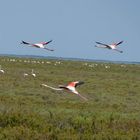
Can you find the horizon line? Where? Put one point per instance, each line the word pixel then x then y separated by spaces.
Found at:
pixel 69 58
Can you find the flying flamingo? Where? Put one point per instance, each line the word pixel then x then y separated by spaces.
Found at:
pixel 38 45
pixel 111 46
pixel 70 87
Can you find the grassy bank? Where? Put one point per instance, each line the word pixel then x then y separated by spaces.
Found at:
pixel 30 111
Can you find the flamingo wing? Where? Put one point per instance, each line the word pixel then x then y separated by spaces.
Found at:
pixel 23 42
pixel 71 84
pixel 102 44
pixel 45 43
pixel 119 43
pixel 75 84
pixel 78 83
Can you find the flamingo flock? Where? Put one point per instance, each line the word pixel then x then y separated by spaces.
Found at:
pixel 41 45
pixel 71 87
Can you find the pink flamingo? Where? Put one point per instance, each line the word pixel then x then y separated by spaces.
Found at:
pixel 38 45
pixel 70 87
pixel 111 46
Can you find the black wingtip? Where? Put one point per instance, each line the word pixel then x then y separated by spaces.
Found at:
pixel 50 40
pixel 51 50
pixel 120 42
pixel 81 82
pixel 23 42
pixel 98 42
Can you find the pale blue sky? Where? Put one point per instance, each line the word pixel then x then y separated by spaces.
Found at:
pixel 74 26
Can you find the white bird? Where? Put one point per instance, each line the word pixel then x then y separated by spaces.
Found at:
pixel 111 46
pixel 70 87
pixel 107 67
pixel 25 74
pixel 1 70
pixel 38 45
pixel 33 74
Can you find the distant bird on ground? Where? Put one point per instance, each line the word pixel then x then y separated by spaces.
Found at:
pixel 1 70
pixel 33 74
pixel 29 74
pixel 25 74
pixel 70 87
pixel 111 46
pixel 38 45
